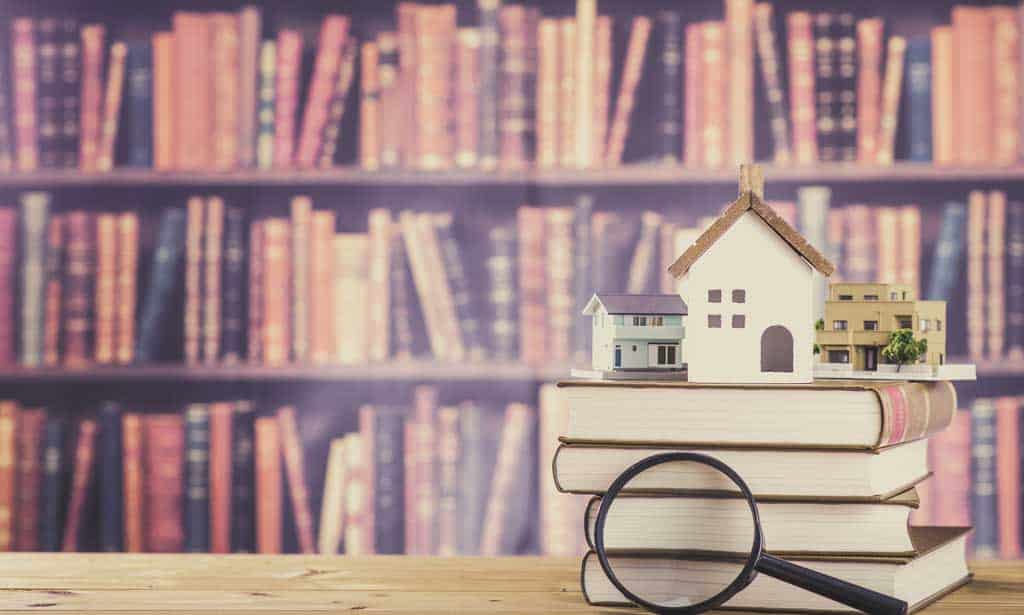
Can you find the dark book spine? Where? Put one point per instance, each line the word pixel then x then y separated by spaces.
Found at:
pixel 47 92
pixel 265 105
pixel 670 87
pixel 243 514
pixel 490 42
pixel 769 59
pixel 110 473
pixel 197 478
pixel 401 299
pixel 6 104
pixel 825 85
pixel 388 483
pixel 502 293
pixel 233 281
pixel 1015 277
pixel 51 496
pixel 984 513
pixel 163 278
pixel 479 426
pixel 30 437
pixel 336 108
pixel 35 213
pixel 919 99
pixel 140 104
pixel 79 282
pixel 70 95
pixel 582 281
pixel 517 85
pixel 949 250
pixel 846 80
pixel 164 481
pixel 8 284
pixel 465 307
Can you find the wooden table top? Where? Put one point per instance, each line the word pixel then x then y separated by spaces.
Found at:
pixel 215 584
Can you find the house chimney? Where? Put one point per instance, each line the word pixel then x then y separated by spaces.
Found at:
pixel 752 180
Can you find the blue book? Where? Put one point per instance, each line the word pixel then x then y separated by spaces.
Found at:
pixel 919 99
pixel 233 284
pixel 984 511
pixel 949 249
pixel 479 428
pixel 197 478
pixel 163 277
pixel 1015 279
pixel 51 488
pixel 110 474
pixel 388 429
pixel 243 480
pixel 139 67
pixel 465 305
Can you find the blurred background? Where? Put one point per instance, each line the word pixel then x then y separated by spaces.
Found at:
pixel 289 277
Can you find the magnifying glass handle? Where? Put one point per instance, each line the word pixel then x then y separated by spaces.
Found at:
pixel 854 596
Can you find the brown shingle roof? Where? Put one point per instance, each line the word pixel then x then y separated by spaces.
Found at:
pixel 748 201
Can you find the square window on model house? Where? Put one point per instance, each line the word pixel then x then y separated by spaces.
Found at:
pixel 739 321
pixel 714 321
pixel 715 296
pixel 871 325
pixel 739 295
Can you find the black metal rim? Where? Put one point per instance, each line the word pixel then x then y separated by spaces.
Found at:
pixel 745 576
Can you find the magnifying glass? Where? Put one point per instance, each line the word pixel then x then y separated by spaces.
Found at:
pixel 724 550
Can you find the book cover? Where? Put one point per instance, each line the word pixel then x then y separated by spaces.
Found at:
pixel 977 217
pixel 79 285
pixel 950 459
pixel 948 253
pixel 447 480
pixel 350 289
pixel 584 86
pixel 400 291
pixel 226 91
pixel 35 214
pixel 1014 277
pixel 29 438
pixel 105 297
pixel 358 533
pixel 984 495
pixel 250 28
pixel 254 315
pixel 506 527
pixel 197 478
pixel 435 35
pixel 132 479
pixel 488 12
pixel 381 430
pixel 332 508
pixel 266 106
pixel 919 99
pixel 338 104
pixel 126 282
pixel 232 340
pixel 693 84
pixel 286 95
pixel 268 496
pixel 502 293
pixel 479 430
pixel 421 473
pixel 7 129
pixel 81 479
pixel 301 291
pixel 163 469
pixel 110 476
pixel 714 103
pixel 869 88
pixel 113 93
pixel 291 447
pixel 322 276
pixel 800 39
pixel 24 74
pixel 558 293
pixel 164 75
pixel 221 478
pixel 243 479
pixel 582 278
pixel 826 86
pixel 892 86
pixel 55 237
pixel 1008 466
pixel 193 310
pixel 739 25
pixel 333 32
pixel 163 278
pixel 1005 103
pixel 276 312
pixel 378 283
pixel 8 473
pixel 602 84
pixel 47 96
pixel 193 90
pixel 465 304
pixel 995 274
pixel 846 86
pixel 548 81
pixel 973 98
pixel 52 492
pixel 943 96
pixel 212 260
pixel 567 92
pixel 532 274
pixel 369 107
pixel 769 60
pixel 632 71
pixel 516 87
pixel 388 83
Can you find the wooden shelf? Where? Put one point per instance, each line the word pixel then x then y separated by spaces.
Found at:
pixel 406 371
pixel 639 174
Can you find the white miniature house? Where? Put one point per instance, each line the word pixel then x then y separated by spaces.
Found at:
pixel 636 332
pixel 748 284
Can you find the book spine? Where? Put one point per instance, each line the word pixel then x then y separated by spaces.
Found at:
pixel 415 248
pixel 467 82
pixel 163 470
pixel 972 33
pixel 369 108
pixel 869 89
pixel 29 476
pixel 581 275
pixel 567 92
pixel 35 214
pixel 532 286
pixel 291 447
pixel 909 247
pixel 243 479
pixel 639 280
pixel 197 478
pixel 195 208
pixel 411 487
pixel 140 104
pixel 254 317
pixel 995 269
pixel 360 535
pixel 448 486
pixel 1015 280
pixel 632 71
pixel 9 272
pixel 276 322
pixel 110 477
pixel 332 510
pixel 846 78
pixel 266 106
pixel 91 97
pixel 1007 472
pixel 583 109
pixel 465 306
pixel 388 83
pixel 407 75
pixel 301 231
pixel 950 457
pixel 714 106
pixel 378 284
pixel 388 505
pixel 919 99
pixel 162 279
pixel 949 248
pixel 814 202
pixel 984 497
pixel 693 143
pixel 286 95
pixel 860 245
pixel 801 87
pixel 515 101
pixel 336 110
pixel 826 85
pixel 548 75
pixel 976 298
pixel 47 109
pixel 221 477
pixel 55 236
pixel 250 26
pixel 739 24
pixel 911 411
pixel 490 50
pixel 113 93
pixel 7 93
pixel 132 479
pixel 473 477
pixel 268 485
pixel 558 286
pixel 164 75
pixel 106 288
pixel 85 452
pixel 768 54
pixel 436 33
pixel 322 310
pixel 8 473
pixel 602 83
pixel 502 295
pixel 1005 103
pixel 51 492
pixel 127 274
pixel 400 292
pixel 233 285
pixel 193 103
pixel 943 96
pixel 212 270
pixel 23 69
pixel 226 91
pixel 506 518
pixel 350 289
pixel 333 33
pixel 891 88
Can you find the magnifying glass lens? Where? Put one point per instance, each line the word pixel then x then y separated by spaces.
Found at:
pixel 677 549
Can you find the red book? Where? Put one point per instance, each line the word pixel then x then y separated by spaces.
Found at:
pixel 193 97
pixel 8 471
pixel 333 33
pixel 220 476
pixel 164 142
pixel 602 86
pixel 435 36
pixel 631 73
pixel 869 88
pixel 113 94
pixel 127 275
pixel 1006 84
pixel 54 287
pixel 79 278
pixel 1008 489
pixel 321 310
pixel 268 485
pixel 132 484
pixel 693 79
pixel 226 91
pixel 972 44
pixel 91 96
pixel 301 251
pixel 369 107
pixel 286 95
pixel 23 55
pixel 943 97
pixel 85 452
pixel 277 299
pixel 106 286
pixel 256 260
pixel 801 87
pixel 30 430
pixel 950 459
pixel 291 443
pixel 164 437
pixel 8 279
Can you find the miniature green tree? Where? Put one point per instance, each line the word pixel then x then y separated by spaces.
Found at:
pixel 903 348
pixel 818 326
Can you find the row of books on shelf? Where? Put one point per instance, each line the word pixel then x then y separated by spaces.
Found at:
pixel 421 477
pixel 512 90
pixel 223 287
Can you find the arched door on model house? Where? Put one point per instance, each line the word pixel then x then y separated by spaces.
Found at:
pixel 776 349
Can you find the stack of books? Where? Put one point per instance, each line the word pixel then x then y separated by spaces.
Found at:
pixel 833 466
